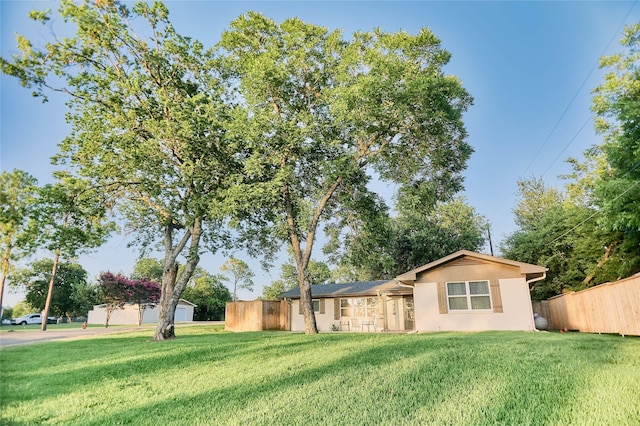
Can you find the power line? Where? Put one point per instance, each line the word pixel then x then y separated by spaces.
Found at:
pixel 594 213
pixel 613 37
pixel 567 145
pixel 615 34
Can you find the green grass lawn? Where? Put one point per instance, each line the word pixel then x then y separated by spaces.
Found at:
pixel 35 327
pixel 207 376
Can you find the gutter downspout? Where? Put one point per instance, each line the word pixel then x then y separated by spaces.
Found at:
pixel 544 275
pixel 404 285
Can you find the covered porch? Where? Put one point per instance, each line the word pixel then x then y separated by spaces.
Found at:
pixel 373 306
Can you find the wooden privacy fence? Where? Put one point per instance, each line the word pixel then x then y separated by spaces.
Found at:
pixel 606 308
pixel 257 315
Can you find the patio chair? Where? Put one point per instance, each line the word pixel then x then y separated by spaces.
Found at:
pixel 354 324
pixel 344 322
pixel 370 322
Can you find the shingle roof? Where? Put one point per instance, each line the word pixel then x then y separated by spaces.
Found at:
pixel 365 288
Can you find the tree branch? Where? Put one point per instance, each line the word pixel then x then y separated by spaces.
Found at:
pixel 316 218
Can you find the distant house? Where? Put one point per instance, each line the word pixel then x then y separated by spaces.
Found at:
pixel 464 291
pixel 129 314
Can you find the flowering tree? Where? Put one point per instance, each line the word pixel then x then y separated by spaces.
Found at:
pixel 115 291
pixel 145 294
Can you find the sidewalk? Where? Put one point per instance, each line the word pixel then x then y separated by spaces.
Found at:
pixel 24 337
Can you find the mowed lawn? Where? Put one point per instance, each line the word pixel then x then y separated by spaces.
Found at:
pixel 210 377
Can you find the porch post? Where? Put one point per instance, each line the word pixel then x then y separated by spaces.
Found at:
pixel 384 313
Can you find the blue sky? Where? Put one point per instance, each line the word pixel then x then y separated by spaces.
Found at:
pixel 530 66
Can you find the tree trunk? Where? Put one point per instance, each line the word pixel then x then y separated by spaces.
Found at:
pixel 140 314
pixel 605 258
pixel 302 258
pixel 306 303
pixel 47 305
pixel 107 316
pixel 165 328
pixel 5 272
pixel 306 299
pixel 172 285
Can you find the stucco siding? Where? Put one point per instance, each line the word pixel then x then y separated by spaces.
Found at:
pixel 323 321
pixel 517 312
pixel 129 315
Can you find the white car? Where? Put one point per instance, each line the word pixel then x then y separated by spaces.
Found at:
pixel 27 319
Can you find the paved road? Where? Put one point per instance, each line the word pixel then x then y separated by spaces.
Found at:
pixel 24 337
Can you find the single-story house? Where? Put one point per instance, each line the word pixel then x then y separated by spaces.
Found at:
pixel 465 291
pixel 129 314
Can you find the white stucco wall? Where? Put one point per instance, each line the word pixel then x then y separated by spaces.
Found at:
pixel 517 311
pixel 129 315
pixel 323 321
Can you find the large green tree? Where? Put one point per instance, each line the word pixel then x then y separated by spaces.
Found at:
pixel 238 273
pixel 70 283
pixel 209 294
pixel 148 267
pixel 560 232
pixel 616 103
pixel 18 196
pixel 420 236
pixel 322 113
pixel 590 234
pixel 147 126
pixel 319 273
pixel 420 233
pixel 71 219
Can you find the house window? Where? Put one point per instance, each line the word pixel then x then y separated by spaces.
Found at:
pixel 359 307
pixel 318 306
pixel 468 295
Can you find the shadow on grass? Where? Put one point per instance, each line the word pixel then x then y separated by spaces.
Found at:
pixel 110 359
pixel 393 400
pixel 437 378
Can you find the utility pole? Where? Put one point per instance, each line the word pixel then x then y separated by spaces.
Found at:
pixel 490 243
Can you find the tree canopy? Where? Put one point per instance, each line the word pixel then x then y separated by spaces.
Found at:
pixel 71 219
pixel 18 196
pixel 589 233
pixel 278 129
pixel 210 295
pixel 146 114
pixel 238 273
pixel 72 295
pixel 389 246
pixel 321 113
pixel 616 104
pixel 148 267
